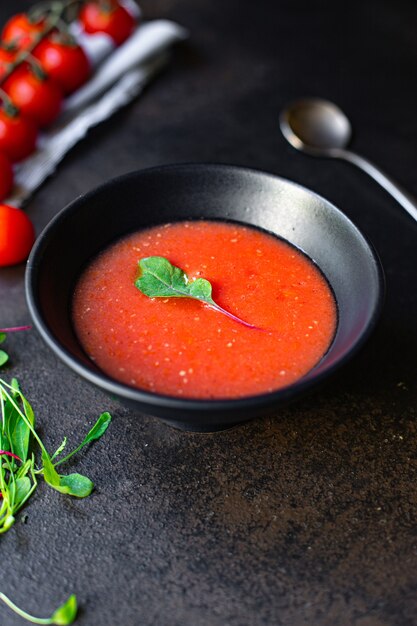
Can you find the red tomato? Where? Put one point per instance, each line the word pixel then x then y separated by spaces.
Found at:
pixel 66 63
pixel 17 235
pixel 37 98
pixel 18 136
pixel 20 29
pixel 7 56
pixel 116 22
pixel 6 176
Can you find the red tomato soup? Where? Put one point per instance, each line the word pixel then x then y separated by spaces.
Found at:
pixel 182 347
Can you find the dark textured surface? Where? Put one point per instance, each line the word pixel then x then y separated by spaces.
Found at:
pixel 304 518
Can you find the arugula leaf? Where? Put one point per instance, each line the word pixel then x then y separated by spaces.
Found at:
pixel 160 279
pixel 2 337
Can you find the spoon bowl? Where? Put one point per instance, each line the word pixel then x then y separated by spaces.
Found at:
pixel 315 126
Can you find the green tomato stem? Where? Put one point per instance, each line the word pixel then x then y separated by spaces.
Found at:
pixel 36 67
pixel 8 105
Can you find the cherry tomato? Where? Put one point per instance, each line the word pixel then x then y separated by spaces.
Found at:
pixel 7 56
pixel 17 235
pixel 37 98
pixel 18 136
pixel 6 176
pixel 115 21
pixel 21 30
pixel 65 62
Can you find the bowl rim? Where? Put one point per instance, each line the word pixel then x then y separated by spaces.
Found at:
pixel 110 385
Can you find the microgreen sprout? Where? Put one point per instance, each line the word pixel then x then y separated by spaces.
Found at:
pixel 63 615
pixel 19 470
pixel 4 357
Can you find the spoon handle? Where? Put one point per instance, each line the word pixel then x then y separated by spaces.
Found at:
pixel 403 197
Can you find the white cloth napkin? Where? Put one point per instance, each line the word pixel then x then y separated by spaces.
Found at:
pixel 120 77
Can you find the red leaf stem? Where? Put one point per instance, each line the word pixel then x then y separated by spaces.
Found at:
pixel 14 329
pixel 11 454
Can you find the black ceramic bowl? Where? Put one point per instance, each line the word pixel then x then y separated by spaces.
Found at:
pixel 171 193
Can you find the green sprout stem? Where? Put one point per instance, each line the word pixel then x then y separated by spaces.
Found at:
pixel 80 447
pixel 63 615
pixel 21 613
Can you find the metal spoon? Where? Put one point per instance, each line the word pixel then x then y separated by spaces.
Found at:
pixel 320 128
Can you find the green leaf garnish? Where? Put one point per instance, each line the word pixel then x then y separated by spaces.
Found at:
pixel 98 429
pixel 76 485
pixel 18 470
pixel 96 432
pixel 73 484
pixel 60 449
pixel 64 614
pixel 49 472
pixel 161 279
pixel 17 429
pixel 4 357
pixel 23 487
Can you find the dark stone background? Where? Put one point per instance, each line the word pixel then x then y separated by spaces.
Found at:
pixel 304 518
